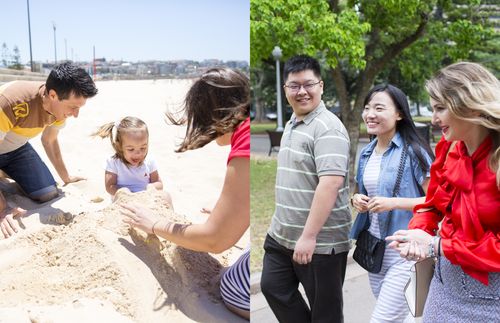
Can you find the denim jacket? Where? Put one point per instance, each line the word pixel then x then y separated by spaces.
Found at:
pixel 412 175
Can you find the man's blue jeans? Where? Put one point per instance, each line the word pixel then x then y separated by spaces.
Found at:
pixel 25 167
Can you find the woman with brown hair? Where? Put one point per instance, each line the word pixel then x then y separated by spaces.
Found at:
pixel 216 108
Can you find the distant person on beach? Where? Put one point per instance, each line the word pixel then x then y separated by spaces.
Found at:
pixel 308 239
pixel 130 169
pixel 216 109
pixel 396 151
pixel 26 110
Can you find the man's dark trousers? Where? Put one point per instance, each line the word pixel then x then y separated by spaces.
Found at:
pixel 322 279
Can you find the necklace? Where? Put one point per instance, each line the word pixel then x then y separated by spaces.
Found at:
pixel 380 151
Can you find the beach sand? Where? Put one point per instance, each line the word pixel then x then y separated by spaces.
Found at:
pixel 76 261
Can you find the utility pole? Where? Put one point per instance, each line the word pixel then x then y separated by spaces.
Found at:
pixel 66 48
pixel 29 33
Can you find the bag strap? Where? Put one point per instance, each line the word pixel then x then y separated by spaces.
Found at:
pixel 395 191
pixel 401 169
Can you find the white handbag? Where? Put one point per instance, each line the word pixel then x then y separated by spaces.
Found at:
pixel 417 288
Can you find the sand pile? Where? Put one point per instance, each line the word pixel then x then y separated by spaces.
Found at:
pixel 94 261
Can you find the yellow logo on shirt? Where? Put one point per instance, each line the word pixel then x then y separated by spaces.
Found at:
pixel 21 110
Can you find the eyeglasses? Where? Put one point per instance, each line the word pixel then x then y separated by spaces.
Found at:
pixel 296 87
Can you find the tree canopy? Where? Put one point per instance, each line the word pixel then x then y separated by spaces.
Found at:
pixel 361 42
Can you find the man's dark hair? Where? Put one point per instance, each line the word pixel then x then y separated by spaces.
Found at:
pixel 67 79
pixel 301 63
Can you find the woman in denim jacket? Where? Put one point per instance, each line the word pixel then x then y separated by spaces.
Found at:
pixel 388 120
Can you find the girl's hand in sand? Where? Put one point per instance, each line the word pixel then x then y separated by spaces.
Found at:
pixel 138 217
pixel 8 224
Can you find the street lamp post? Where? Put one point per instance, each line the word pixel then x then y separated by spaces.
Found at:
pixel 277 55
pixel 55 47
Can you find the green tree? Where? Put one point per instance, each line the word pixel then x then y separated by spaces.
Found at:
pixel 360 40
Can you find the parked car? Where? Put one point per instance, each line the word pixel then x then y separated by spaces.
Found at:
pixel 424 110
pixel 271 116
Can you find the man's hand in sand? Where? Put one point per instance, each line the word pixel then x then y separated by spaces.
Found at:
pixel 138 217
pixel 8 224
pixel 73 179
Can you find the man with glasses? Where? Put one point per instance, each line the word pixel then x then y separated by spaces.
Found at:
pixel 307 241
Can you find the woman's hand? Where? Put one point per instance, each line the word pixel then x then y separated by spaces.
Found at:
pixel 379 204
pixel 139 217
pixel 360 202
pixel 411 244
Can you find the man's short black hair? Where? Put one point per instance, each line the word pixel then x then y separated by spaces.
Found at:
pixel 301 63
pixel 67 79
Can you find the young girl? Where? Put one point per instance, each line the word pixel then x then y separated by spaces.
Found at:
pixel 129 169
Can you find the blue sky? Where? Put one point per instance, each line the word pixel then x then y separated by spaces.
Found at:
pixel 129 29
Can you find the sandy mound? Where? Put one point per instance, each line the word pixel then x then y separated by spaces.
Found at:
pixel 95 256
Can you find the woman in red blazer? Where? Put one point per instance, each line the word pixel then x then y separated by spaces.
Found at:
pixel 464 196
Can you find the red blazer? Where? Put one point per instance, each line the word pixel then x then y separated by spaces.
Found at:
pixel 463 194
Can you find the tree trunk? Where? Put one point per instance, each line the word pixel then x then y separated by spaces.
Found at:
pixel 258 100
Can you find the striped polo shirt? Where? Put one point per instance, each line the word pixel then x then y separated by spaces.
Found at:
pixel 22 116
pixel 316 146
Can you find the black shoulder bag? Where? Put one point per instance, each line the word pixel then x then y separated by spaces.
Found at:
pixel 369 252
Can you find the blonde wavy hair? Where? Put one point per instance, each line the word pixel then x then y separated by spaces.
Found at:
pixel 471 93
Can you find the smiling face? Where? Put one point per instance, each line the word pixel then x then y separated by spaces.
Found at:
pixel 381 115
pixel 452 127
pixel 63 109
pixel 303 101
pixel 134 146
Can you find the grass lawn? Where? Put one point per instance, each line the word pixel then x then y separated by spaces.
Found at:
pixel 261 127
pixel 262 180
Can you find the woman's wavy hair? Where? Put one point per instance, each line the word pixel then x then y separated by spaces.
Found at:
pixel 214 105
pixel 471 93
pixel 405 126
pixel 115 130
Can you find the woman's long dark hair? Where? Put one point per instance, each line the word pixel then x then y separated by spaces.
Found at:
pixel 405 126
pixel 215 105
